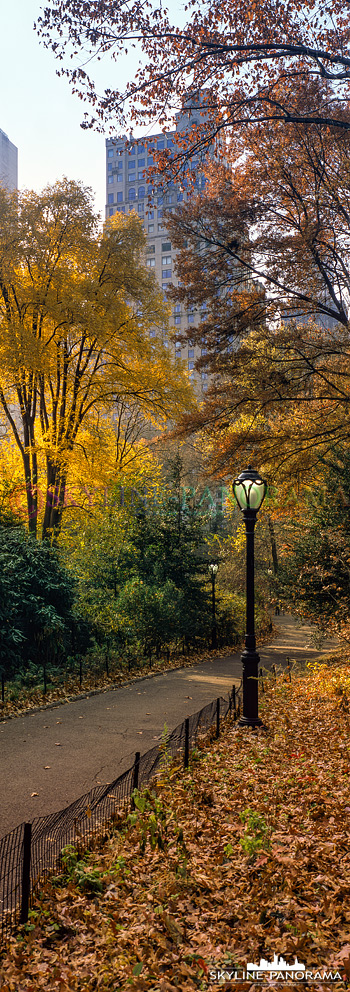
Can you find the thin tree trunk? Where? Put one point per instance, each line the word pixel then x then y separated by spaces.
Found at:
pixel 31 494
pixel 273 544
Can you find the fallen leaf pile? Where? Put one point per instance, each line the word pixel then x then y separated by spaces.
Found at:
pixel 244 855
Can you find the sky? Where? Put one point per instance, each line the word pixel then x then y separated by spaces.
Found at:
pixel 38 111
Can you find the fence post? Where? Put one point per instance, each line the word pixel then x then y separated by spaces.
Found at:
pixel 187 742
pixel 234 701
pixel 27 842
pixel 261 680
pixel 135 776
pixel 218 718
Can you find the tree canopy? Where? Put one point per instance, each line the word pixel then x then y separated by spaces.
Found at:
pixel 77 307
pixel 243 56
pixel 262 255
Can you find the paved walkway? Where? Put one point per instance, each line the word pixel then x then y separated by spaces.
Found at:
pixel 51 757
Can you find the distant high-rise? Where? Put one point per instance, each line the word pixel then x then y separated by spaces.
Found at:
pixel 126 190
pixel 8 163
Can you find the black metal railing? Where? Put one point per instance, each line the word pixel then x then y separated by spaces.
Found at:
pixel 32 851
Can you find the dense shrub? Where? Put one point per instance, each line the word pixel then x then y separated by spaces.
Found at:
pixel 36 604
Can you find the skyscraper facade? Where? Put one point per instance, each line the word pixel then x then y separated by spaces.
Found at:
pixel 127 161
pixel 8 163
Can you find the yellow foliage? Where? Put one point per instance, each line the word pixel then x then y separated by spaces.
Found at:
pixel 77 308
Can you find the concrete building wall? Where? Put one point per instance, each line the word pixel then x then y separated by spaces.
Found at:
pixel 127 190
pixel 8 163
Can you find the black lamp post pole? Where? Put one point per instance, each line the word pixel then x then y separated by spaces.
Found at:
pixel 250 658
pixel 214 640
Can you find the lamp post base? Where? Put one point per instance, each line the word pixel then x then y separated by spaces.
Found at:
pixel 246 721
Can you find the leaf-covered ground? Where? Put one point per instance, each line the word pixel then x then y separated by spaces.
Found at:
pixel 244 855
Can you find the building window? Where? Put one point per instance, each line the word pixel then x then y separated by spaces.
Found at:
pixel 111 211
pixel 132 163
pixel 119 197
pixel 110 197
pixel 110 153
pixel 120 177
pixel 150 160
pixel 160 200
pixel 110 179
pixel 151 262
pixel 141 207
pixel 152 333
pixel 142 192
pixel 141 161
pixel 166 246
pixel 190 317
pixel 160 144
pixel 151 214
pixel 132 177
pixel 170 143
pixel 191 352
pixel 191 366
pixel 166 260
pixel 180 197
pixel 110 166
pixel 177 319
pixel 177 308
pixel 166 273
pixel 160 213
pixel 165 286
pixel 160 227
pixel 121 210
pixel 120 165
pixel 132 194
pixel 151 228
pixel 151 249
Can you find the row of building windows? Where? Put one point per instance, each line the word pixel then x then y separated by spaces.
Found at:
pixel 142 149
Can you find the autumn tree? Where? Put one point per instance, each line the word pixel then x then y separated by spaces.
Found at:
pixel 244 56
pixel 262 256
pixel 315 563
pixel 76 308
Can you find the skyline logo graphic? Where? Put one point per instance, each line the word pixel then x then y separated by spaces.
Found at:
pixel 277 970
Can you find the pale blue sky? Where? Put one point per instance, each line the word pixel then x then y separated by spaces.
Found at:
pixel 38 111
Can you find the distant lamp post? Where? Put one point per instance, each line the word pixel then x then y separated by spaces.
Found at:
pixel 213 573
pixel 250 490
pixel 269 579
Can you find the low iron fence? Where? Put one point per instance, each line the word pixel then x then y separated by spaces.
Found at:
pixel 32 851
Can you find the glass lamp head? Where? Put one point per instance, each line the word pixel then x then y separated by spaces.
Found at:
pixel 249 490
pixel 213 569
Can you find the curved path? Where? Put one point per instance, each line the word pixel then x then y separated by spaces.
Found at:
pixel 51 757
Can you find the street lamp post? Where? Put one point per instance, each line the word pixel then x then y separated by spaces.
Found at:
pixel 213 572
pixel 250 490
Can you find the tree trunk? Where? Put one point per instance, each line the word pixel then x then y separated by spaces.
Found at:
pixel 273 544
pixel 30 473
pixel 55 496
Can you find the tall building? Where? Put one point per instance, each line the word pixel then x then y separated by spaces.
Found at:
pixel 127 161
pixel 8 163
